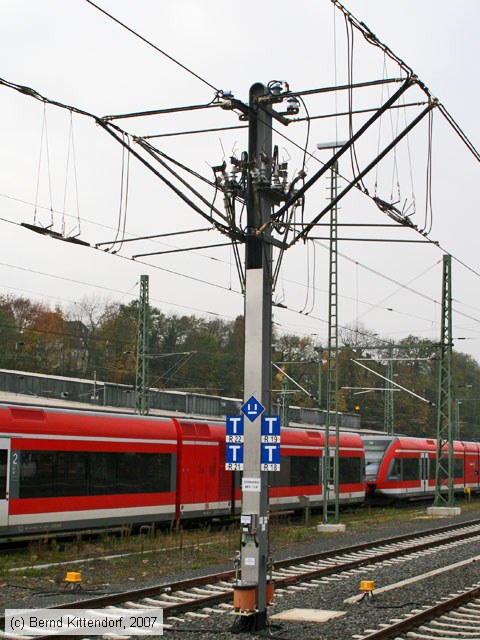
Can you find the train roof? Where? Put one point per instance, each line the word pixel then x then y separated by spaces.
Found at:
pixel 312 437
pixel 424 444
pixel 28 419
pixel 40 421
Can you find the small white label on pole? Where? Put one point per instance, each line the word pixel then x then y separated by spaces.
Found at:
pixel 250 562
pixel 251 484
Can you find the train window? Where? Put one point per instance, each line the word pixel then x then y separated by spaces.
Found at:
pixel 411 469
pixel 71 473
pixel 371 470
pixel 281 478
pixel 458 468
pixel 395 469
pixel 37 474
pixel 350 470
pixel 404 469
pixel 296 471
pixel 304 470
pixel 141 473
pixel 80 473
pixel 3 474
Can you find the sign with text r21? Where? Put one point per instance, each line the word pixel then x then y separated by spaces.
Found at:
pixel 233 456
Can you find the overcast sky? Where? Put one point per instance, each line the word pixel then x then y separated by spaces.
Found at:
pixel 70 52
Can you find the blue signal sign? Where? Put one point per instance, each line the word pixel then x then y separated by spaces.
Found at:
pixel 270 456
pixel 252 409
pixel 234 429
pixel 233 457
pixel 270 429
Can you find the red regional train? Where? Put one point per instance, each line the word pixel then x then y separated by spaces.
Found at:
pixel 66 470
pixel 401 467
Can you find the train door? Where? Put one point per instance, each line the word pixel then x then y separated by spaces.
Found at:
pixel 424 471
pixel 4 457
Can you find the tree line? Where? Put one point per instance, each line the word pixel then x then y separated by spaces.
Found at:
pixel 97 338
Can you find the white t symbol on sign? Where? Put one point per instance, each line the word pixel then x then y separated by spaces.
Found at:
pixel 270 448
pixel 236 423
pixel 270 420
pixel 234 448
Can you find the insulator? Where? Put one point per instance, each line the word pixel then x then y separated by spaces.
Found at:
pixel 293 105
pixel 263 178
pixel 276 182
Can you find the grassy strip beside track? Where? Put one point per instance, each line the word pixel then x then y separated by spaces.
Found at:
pixel 141 559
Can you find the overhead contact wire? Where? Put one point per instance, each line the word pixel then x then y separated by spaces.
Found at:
pixel 154 46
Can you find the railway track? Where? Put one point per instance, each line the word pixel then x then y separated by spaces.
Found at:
pixel 456 616
pixel 204 596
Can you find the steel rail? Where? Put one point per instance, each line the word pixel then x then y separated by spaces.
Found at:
pixel 417 619
pixel 170 588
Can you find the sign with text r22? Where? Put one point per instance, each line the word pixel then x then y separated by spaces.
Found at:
pixel 270 457
pixel 234 429
pixel 233 456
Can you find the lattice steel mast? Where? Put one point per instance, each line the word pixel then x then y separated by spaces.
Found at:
pixel 444 466
pixel 331 507
pixel 389 393
pixel 142 368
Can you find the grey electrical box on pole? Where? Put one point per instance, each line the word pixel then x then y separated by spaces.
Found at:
pixel 257 384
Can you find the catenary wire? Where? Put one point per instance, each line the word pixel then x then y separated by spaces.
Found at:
pixel 292 120
pixel 291 281
pixel 110 289
pixel 286 280
pixel 32 93
pixel 103 226
pixel 116 132
pixel 44 136
pixel 122 208
pixel 71 151
pixel 373 40
pixel 402 286
pixel 111 131
pixel 462 263
pixel 154 46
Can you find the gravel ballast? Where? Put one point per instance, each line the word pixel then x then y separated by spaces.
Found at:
pixel 329 594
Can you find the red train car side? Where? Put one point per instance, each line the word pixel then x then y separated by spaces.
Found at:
pixel 403 467
pixel 204 488
pixel 300 477
pixel 67 470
